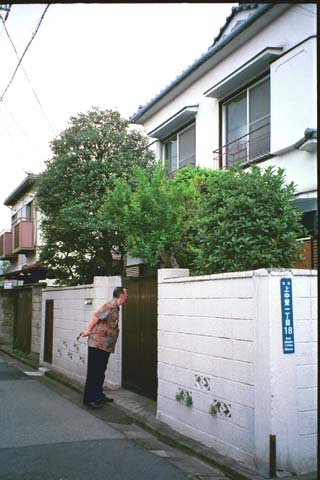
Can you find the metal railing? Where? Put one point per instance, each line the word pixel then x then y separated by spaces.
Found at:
pixel 253 146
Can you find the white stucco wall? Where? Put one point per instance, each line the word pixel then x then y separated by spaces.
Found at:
pixel 293 95
pixel 73 308
pixel 305 179
pixel 220 338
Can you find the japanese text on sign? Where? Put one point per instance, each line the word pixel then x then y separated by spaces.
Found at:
pixel 287 315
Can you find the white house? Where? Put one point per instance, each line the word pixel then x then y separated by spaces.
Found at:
pixel 250 98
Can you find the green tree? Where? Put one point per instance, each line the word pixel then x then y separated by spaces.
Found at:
pixel 154 214
pixel 246 221
pixel 95 149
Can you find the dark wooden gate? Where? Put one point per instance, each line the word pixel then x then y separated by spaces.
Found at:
pixel 23 320
pixel 139 339
pixel 48 332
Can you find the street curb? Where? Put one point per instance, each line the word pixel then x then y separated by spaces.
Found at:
pixel 172 438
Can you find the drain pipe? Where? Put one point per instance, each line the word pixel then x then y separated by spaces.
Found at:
pixel 272 456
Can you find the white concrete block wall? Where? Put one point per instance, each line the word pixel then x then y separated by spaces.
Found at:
pixel 220 339
pixel 206 346
pixel 73 308
pixel 306 366
pixel 293 376
pixel 36 320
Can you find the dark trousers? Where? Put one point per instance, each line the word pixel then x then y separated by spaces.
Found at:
pixel 96 367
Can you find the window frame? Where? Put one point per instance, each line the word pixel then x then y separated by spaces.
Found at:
pixel 223 117
pixel 176 135
pixel 24 213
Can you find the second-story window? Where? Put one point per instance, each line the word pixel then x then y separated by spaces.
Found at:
pixel 179 150
pixel 246 124
pixel 24 213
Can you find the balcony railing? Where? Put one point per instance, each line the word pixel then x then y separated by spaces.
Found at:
pixel 246 149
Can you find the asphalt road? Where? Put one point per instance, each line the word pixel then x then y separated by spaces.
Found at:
pixel 46 433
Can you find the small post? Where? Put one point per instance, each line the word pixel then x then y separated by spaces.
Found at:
pixel 272 456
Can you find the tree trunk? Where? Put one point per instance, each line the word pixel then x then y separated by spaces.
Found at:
pixel 169 260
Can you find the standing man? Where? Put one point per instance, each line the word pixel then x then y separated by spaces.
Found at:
pixel 103 331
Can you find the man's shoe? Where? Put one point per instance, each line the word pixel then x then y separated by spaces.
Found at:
pixel 94 405
pixel 105 399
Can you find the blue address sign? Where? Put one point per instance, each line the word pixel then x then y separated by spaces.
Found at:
pixel 287 315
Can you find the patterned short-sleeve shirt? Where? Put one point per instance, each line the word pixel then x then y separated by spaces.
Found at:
pixel 105 333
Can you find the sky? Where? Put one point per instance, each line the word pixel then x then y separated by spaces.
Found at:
pixel 107 55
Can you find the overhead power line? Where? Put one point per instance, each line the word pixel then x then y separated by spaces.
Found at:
pixel 25 51
pixel 25 73
pixel 5 7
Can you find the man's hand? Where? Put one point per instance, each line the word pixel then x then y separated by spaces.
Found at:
pixel 86 333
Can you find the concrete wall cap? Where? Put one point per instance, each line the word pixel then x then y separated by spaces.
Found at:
pixel 61 287
pixel 262 272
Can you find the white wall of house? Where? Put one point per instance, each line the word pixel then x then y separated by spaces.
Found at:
pixel 220 339
pixel 304 178
pixel 293 94
pixel 73 308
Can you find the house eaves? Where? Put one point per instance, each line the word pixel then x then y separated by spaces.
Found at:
pixel 263 16
pixel 21 189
